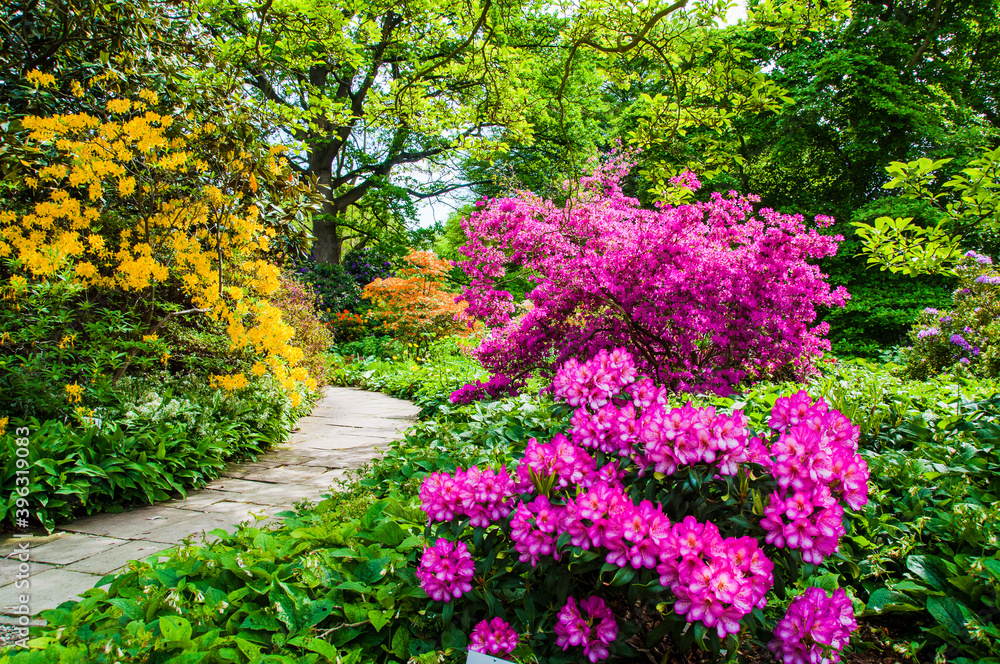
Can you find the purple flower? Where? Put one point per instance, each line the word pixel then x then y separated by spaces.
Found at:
pixel 929 332
pixel 960 341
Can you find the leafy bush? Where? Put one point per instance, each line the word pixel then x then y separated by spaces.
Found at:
pixel 443 367
pixel 367 264
pixel 326 587
pixel 413 305
pixel 297 303
pixel 964 336
pixel 883 305
pixel 640 501
pixel 375 347
pixel 65 346
pixel 153 438
pixel 928 544
pixel 337 289
pixel 706 296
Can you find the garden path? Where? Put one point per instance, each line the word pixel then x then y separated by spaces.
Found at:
pixel 344 432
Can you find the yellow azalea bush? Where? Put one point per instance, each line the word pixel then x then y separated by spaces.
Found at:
pixel 164 213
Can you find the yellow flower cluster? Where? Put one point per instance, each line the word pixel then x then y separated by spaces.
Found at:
pixel 41 79
pixel 74 393
pixel 177 233
pixel 230 383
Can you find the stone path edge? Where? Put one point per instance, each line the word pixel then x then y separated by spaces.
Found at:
pixel 345 430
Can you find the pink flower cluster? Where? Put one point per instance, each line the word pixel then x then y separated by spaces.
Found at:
pixel 562 461
pixel 493 637
pixel 716 580
pixel 592 626
pixel 595 381
pixel 485 496
pixel 496 387
pixel 816 464
pixel 446 570
pixel 815 628
pixel 688 435
pixel 672 438
pixel 706 295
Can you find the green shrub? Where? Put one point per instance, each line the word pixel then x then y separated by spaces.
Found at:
pixel 328 586
pixel 966 335
pixel 928 544
pixel 153 438
pixel 297 303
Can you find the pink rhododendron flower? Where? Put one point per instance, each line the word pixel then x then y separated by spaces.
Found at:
pixel 485 496
pixel 815 628
pixel 591 626
pixel 493 637
pixel 446 570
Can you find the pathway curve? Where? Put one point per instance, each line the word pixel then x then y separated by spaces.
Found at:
pixel 344 431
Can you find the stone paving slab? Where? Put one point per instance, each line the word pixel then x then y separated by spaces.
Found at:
pixel 344 432
pixel 118 557
pixel 284 474
pixel 48 589
pixel 71 547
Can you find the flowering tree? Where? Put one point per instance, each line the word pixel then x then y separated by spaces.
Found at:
pixel 413 304
pixel 706 295
pixel 680 520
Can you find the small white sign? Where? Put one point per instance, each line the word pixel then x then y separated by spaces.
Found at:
pixel 480 658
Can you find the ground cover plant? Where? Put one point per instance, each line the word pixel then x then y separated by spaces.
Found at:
pixel 215 602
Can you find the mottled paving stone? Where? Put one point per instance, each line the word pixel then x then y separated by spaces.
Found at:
pixel 329 478
pixel 48 590
pixel 71 547
pixel 115 559
pixel 32 539
pixel 198 500
pixel 284 474
pixel 241 511
pixel 10 569
pixel 140 523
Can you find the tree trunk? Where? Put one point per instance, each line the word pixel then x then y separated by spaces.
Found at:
pixel 328 245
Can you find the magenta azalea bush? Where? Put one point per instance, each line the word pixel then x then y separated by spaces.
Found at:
pixel 704 295
pixel 672 523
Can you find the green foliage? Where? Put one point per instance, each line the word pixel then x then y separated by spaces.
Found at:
pixel 336 287
pixel 394 369
pixel 927 544
pixel 333 585
pixel 153 438
pixel 297 303
pixel 58 334
pixel 968 204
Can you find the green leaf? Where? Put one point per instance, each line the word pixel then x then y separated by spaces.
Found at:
pixel 371 571
pixel 379 619
pixel 927 569
pixel 884 600
pixel 950 613
pixel 175 628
